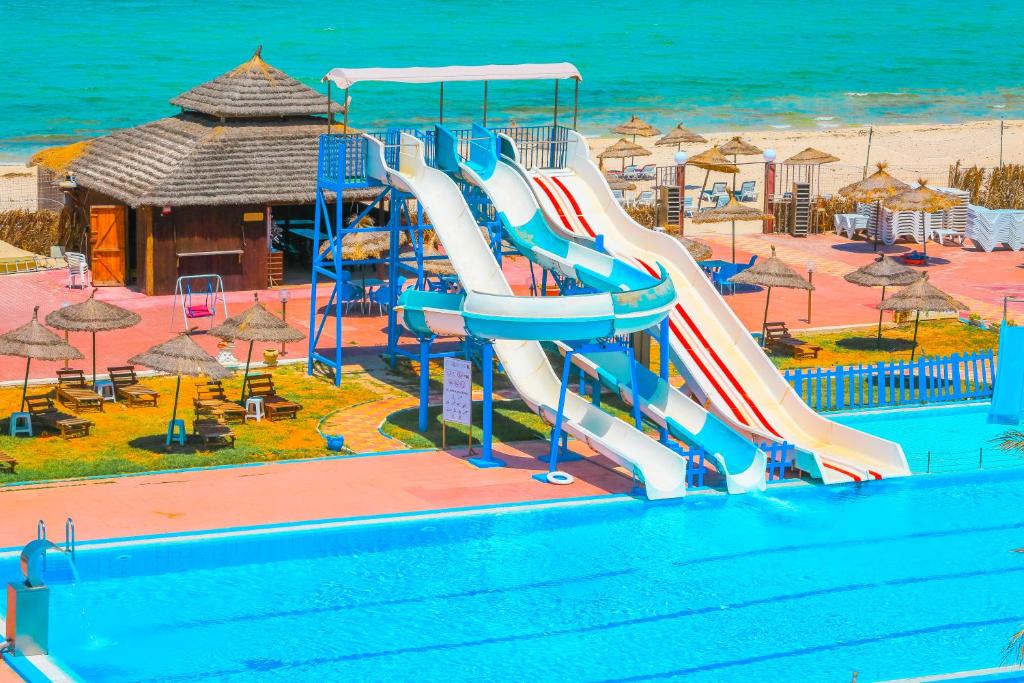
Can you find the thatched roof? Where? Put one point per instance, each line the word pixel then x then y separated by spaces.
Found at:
pixel 257 324
pixel 636 126
pixel 32 340
pixel 698 250
pixel 617 183
pixel 713 160
pixel 622 149
pixel 875 187
pixel 92 316
pixel 811 157
pixel 921 295
pixel 181 356
pixel 436 266
pixel 733 211
pixel 921 198
pixel 680 135
pixel 885 271
pixel 737 146
pixel 771 272
pixel 254 89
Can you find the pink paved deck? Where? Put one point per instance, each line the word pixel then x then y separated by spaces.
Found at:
pixel 292 491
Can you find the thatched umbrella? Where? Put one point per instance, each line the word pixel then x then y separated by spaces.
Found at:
pixel 636 126
pixel 180 356
pixel 697 249
pixel 256 324
pixel 811 160
pixel 883 272
pixel 923 199
pixel 32 340
pixel 710 160
pixel 92 316
pixel 679 136
pixel 771 272
pixel 919 296
pixel 623 149
pixel 731 212
pixel 737 146
pixel 874 189
pixel 620 184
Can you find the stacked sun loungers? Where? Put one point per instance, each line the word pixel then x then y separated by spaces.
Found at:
pixel 913 225
pixel 850 224
pixel 989 229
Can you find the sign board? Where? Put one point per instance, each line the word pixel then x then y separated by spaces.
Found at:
pixel 252 217
pixel 457 399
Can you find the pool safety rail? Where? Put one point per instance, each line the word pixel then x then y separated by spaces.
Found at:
pixel 966 460
pixel 936 379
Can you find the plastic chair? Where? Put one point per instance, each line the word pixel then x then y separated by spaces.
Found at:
pixel 21 423
pixel 382 295
pixel 254 408
pixel 77 269
pixel 175 432
pixel 348 292
pixel 105 388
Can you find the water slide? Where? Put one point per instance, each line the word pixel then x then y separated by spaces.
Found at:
pixel 490 310
pixel 507 186
pixel 721 362
pixel 1008 392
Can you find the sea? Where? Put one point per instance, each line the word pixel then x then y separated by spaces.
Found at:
pixel 78 70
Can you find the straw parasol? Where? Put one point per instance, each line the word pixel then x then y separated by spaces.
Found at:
pixel 636 126
pixel 918 296
pixel 771 272
pixel 710 160
pixel 737 146
pixel 731 212
pixel 679 136
pixel 92 316
pixel 882 272
pixel 256 324
pixel 32 340
pixel 873 190
pixel 180 356
pixel 923 199
pixel 436 266
pixel 697 249
pixel 620 184
pixel 622 149
pixel 811 157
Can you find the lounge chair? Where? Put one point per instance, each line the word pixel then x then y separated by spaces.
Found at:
pixel 210 401
pixel 7 462
pixel 688 210
pixel 630 172
pixel 127 387
pixel 747 192
pixel 620 196
pixel 78 269
pixel 213 433
pixel 717 190
pixel 274 406
pixel 721 201
pixel 777 336
pixel 645 198
pixel 45 415
pixel 73 390
pixel 648 172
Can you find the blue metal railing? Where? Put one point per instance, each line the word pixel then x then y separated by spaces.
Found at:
pixel 539 146
pixel 341 160
pixel 781 457
pixel 937 379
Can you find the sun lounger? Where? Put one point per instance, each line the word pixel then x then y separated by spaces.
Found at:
pixel 717 190
pixel 7 462
pixel 73 390
pixel 213 433
pixel 648 172
pixel 127 387
pixel 777 336
pixel 46 416
pixel 210 401
pixel 275 406
pixel 747 192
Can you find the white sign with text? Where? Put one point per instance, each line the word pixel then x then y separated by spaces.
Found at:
pixel 457 399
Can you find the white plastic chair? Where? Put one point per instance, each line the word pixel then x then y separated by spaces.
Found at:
pixel 77 269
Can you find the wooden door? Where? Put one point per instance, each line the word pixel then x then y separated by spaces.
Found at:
pixel 109 244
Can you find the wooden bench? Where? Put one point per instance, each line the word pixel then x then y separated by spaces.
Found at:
pixel 777 336
pixel 211 401
pixel 213 433
pixel 45 415
pixel 73 390
pixel 127 387
pixel 262 385
pixel 7 462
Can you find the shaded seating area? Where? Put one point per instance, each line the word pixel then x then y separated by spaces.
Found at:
pixel 212 402
pixel 45 415
pixel 74 391
pixel 262 386
pixel 721 272
pixel 127 387
pixel 777 336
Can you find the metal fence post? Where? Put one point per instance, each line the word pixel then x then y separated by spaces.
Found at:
pixel 929 470
pixel 980 451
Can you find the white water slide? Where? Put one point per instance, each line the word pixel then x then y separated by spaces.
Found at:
pixel 719 358
pixel 489 297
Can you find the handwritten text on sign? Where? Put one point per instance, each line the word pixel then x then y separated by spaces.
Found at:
pixel 458 387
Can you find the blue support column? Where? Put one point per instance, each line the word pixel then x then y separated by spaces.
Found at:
pixel 663 366
pixel 559 439
pixel 424 381
pixel 637 417
pixel 486 458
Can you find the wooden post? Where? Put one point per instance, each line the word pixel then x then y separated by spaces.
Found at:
pixel 867 159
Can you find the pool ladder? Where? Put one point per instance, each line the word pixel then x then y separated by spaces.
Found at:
pixel 69 536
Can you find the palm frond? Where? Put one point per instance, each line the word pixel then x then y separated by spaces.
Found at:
pixel 1010 440
pixel 1014 650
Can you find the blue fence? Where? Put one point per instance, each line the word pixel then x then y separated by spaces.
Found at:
pixel 781 457
pixel 937 379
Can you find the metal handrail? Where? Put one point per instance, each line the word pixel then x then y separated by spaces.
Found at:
pixel 41 530
pixel 1011 299
pixel 69 537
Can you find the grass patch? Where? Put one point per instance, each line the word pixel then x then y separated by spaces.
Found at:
pixel 132 440
pixel 854 346
pixel 513 421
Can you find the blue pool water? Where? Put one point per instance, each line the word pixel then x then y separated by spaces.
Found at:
pixel 891 579
pixel 750 64
pixel 958 437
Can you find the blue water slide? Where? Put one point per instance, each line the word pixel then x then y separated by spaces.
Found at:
pixel 1008 392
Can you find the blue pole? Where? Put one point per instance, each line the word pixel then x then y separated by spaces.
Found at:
pixel 314 332
pixel 424 381
pixel 339 262
pixel 488 354
pixel 663 368
pixel 556 431
pixel 636 393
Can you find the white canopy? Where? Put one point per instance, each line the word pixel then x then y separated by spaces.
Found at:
pixel 344 78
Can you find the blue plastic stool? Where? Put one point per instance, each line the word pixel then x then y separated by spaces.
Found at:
pixel 21 423
pixel 175 432
pixel 105 388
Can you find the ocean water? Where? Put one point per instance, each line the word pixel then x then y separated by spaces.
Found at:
pixel 73 73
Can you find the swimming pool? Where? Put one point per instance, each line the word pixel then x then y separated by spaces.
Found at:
pixel 958 437
pixel 804 583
